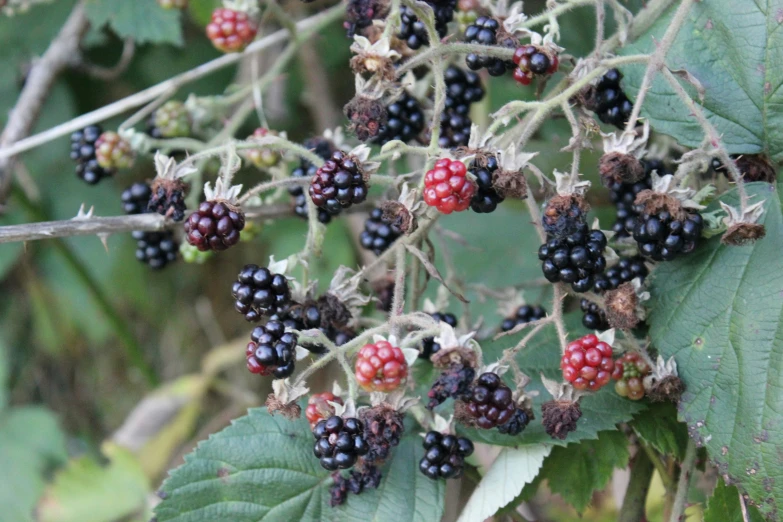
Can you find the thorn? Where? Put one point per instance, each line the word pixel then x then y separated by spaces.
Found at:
pixel 104 236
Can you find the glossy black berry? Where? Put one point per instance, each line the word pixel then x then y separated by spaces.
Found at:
pixel 259 292
pixel 593 318
pixel 156 249
pixel 661 237
pixel 271 350
pixel 627 269
pixel 462 89
pixel 453 383
pixel 428 345
pixel 414 33
pixel 624 194
pixel 339 442
pixel 136 198
pixel 308 316
pixel 83 153
pixel 491 403
pixel 524 314
pixel 444 455
pixel 405 121
pixel 215 225
pixel 486 198
pixel 612 105
pixel 378 233
pixel 484 31
pixel 575 259
pixel 323 148
pixel 338 184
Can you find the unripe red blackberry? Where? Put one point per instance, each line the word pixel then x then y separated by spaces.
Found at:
pixel 444 455
pixel 587 363
pixel 428 345
pixel 170 120
pixel 214 226
pixel 231 31
pixel 338 183
pixel 381 367
pixel 271 350
pixel 113 152
pixel 491 402
pixel 339 442
pixel 318 407
pixel 83 152
pixel 259 292
pixel 447 188
pixel 524 314
pixel 378 233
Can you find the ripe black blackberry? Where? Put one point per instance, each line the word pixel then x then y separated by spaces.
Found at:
pixel 306 170
pixel 338 184
pixel 518 422
pixel 83 153
pixel 626 269
pixel 444 455
pixel 214 226
pixel 575 259
pixel 136 198
pixel 491 402
pixel 168 199
pixel 405 121
pixel 663 237
pixel 271 350
pixel 308 316
pixel 414 33
pixel 462 89
pixel 484 31
pixel 612 105
pixel 428 345
pixel 339 442
pixel 624 194
pixel 259 292
pixel 453 383
pixel 378 233
pixel 524 314
pixel 355 482
pixel 486 198
pixel 593 318
pixel 156 249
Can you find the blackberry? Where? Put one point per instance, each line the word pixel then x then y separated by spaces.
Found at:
pixel 378 233
pixel 412 30
pixel 405 121
pixel 339 442
pixel 271 350
pixel 486 198
pixel 484 31
pixel 627 269
pixel 624 194
pixel 156 249
pixel 355 482
pixel 519 421
pixel 663 237
pixel 113 152
pixel 444 455
pixel 306 170
pixel 359 15
pixel 259 292
pixel 576 259
pixel 338 184
pixel 135 198
pixel 170 120
pixel 428 345
pixel 612 105
pixel 168 199
pixel 462 89
pixel 453 383
pixel 308 316
pixel 383 429
pixel 83 153
pixel 593 318
pixel 534 60
pixel 491 402
pixel 214 226
pixel 524 314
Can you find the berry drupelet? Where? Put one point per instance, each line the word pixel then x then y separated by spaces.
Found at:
pixel 318 407
pixel 259 292
pixel 381 367
pixel 491 402
pixel 587 363
pixel 444 455
pixel 486 198
pixel 338 184
pixel 662 237
pixel 83 152
pixel 484 31
pixel 428 345
pixel 231 31
pixel 339 442
pixel 531 61
pixel 462 89
pixel 405 121
pixel 575 259
pixel 447 188
pixel 612 105
pixel 378 233
pixel 214 226
pixel 271 350
pixel 524 314
pixel 593 318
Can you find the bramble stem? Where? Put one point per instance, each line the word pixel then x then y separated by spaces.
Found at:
pixel 686 471
pixel 636 494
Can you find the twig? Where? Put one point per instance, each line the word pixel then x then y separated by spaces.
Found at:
pixel 600 19
pixel 111 73
pixel 398 298
pixel 636 494
pixel 686 470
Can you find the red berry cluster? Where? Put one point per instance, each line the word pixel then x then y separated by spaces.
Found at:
pixel 318 407
pixel 231 31
pixel 447 188
pixel 381 367
pixel 629 372
pixel 533 60
pixel 587 363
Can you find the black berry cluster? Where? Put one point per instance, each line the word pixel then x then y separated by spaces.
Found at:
pixel 517 424
pixel 339 442
pixel 454 383
pixel 491 402
pixel 624 194
pixel 612 105
pixel 414 33
pixel 356 482
pixel 156 249
pixel 428 345
pixel 484 31
pixel 486 198
pixel 378 233
pixel 323 148
pixel 168 199
pixel 462 89
pixel 271 350
pixel 83 153
pixel 214 226
pixel 627 269
pixel 662 237
pixel 575 259
pixel 338 184
pixel 593 317
pixel 405 121
pixel 444 455
pixel 308 316
pixel 259 292
pixel 524 314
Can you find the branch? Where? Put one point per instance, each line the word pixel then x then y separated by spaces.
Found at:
pixel 62 52
pixel 636 494
pixel 686 470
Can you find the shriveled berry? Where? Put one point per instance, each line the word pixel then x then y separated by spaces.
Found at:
pixel 453 383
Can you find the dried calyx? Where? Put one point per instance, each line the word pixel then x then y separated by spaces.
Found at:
pixel 621 162
pixel 742 227
pixel 663 383
pixel 560 415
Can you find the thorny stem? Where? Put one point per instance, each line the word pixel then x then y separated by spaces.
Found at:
pixel 686 470
pixel 538 325
pixel 398 299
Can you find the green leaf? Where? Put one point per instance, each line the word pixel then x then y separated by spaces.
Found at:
pixel 31 443
pixel 86 491
pixel 512 469
pixel 263 466
pixel 659 428
pixel 143 20
pixel 576 471
pixel 718 313
pixel 731 49
pixel 724 506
